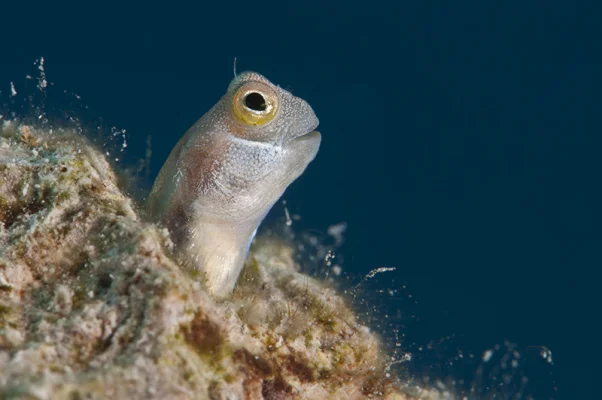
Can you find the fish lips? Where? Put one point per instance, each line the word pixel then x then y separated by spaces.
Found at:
pixel 311 136
pixel 309 132
pixel 306 146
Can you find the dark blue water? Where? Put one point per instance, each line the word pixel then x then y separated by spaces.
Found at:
pixel 460 144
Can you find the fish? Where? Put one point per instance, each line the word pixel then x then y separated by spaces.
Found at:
pixel 226 173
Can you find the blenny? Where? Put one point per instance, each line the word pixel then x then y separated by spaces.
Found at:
pixel 228 170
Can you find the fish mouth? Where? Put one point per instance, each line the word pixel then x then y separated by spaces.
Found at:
pixel 312 135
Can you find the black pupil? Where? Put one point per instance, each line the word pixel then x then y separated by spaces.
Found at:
pixel 255 102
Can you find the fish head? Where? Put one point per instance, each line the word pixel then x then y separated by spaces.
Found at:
pixel 251 145
pixel 263 112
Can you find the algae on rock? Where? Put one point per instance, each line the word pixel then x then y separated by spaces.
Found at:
pixel 94 305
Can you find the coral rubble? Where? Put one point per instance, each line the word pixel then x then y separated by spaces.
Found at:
pixel 94 305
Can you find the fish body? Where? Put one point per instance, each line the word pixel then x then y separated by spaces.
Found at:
pixel 228 170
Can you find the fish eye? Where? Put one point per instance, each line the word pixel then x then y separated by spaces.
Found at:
pixel 255 103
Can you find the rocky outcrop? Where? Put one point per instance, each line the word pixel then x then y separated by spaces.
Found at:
pixel 93 304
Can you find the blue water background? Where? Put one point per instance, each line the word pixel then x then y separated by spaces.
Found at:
pixel 460 142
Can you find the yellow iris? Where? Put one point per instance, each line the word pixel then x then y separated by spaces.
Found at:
pixel 255 104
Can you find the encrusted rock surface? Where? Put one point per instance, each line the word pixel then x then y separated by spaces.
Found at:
pixel 94 305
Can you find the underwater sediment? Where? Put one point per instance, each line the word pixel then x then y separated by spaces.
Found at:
pixel 93 304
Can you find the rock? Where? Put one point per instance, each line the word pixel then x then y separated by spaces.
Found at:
pixel 94 305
